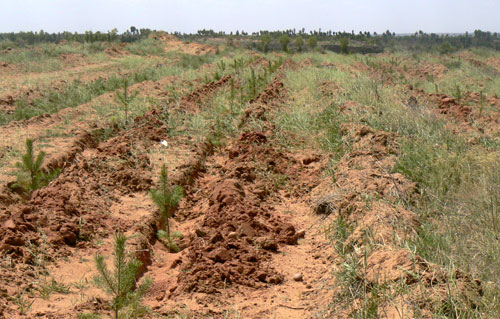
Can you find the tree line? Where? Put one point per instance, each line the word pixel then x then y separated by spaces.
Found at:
pixel 30 37
pixel 357 42
pixel 285 40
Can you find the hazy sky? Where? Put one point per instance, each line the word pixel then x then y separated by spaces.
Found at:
pixel 400 16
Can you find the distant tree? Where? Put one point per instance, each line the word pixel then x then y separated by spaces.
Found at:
pixel 114 34
pixel 299 43
pixel 284 40
pixel 446 48
pixel 344 45
pixel 313 42
pixel 265 40
pixel 133 29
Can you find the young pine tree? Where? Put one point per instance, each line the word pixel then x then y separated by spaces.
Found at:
pixel 125 99
pixel 265 40
pixel 31 175
pixel 167 198
pixel 232 93
pixel 121 283
pixel 252 84
pixel 458 94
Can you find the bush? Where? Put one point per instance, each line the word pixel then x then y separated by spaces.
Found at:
pixel 299 43
pixel 344 45
pixel 146 47
pixel 446 48
pixel 313 42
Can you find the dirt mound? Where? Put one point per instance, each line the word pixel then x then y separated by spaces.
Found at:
pixel 306 63
pixel 421 69
pixel 329 88
pixel 192 102
pixel 226 251
pixel 464 118
pixel 75 205
pixel 367 169
pixel 259 61
pixel 460 117
pixel 374 224
pixel 73 59
pixel 267 99
pixel 494 62
pixel 81 142
pixel 436 70
pixel 475 97
pixel 25 93
pixel 450 107
pixel 272 92
pixel 116 52
pixel 173 44
pixel 238 231
pixel 164 36
pixel 389 71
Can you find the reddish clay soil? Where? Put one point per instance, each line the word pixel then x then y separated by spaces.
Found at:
pixel 386 71
pixel 494 62
pixel 194 101
pixel 12 93
pixel 368 198
pixel 235 229
pixel 76 206
pixel 238 231
pixel 67 125
pixel 172 43
pixel 253 220
pixel 465 116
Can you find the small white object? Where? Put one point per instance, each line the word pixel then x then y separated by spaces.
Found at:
pixel 298 277
pixel 164 143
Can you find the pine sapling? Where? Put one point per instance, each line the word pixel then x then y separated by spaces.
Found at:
pixel 121 283
pixel 458 94
pixel 232 93
pixel 217 76
pixel 222 66
pixel 252 84
pixel 481 101
pixel 125 99
pixel 31 175
pixel 167 198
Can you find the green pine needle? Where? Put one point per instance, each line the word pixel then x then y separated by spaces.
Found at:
pixel 31 175
pixel 120 282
